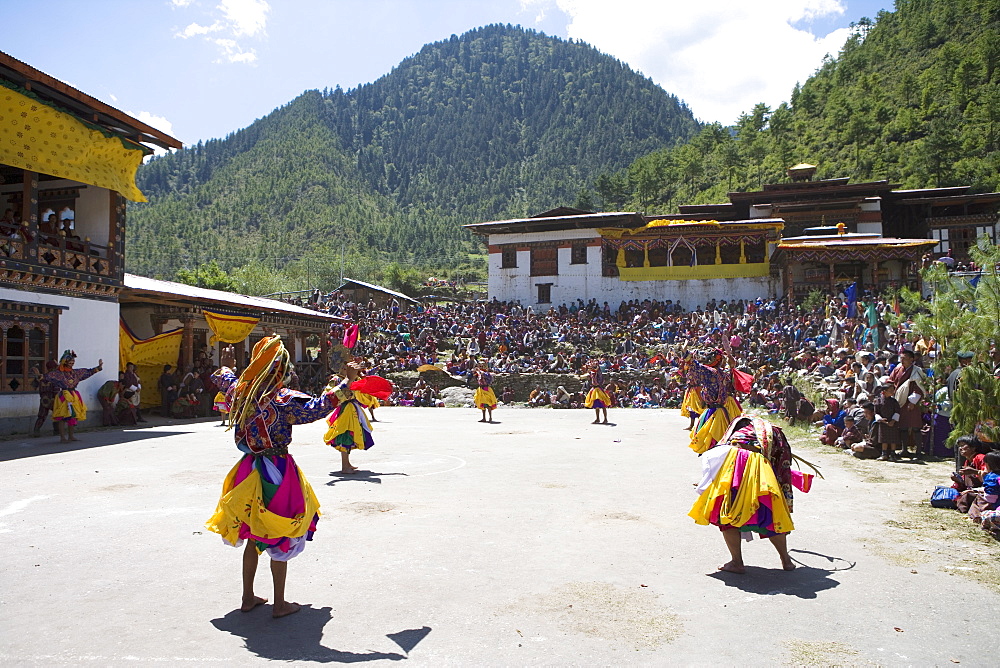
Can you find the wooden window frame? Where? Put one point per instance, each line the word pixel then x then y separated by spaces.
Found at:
pixel 545 288
pixel 548 266
pixel 26 318
pixel 508 257
pixel 578 254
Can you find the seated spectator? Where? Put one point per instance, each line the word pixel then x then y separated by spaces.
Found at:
pixel 851 435
pixel 832 422
pixel 869 448
pixel 987 499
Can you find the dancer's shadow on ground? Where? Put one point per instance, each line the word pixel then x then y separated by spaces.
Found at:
pixel 298 637
pixel 359 476
pixel 806 581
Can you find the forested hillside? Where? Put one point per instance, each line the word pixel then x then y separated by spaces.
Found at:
pixel 498 122
pixel 913 96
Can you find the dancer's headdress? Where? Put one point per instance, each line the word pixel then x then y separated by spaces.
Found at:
pixel 269 368
pixel 67 356
pixel 713 358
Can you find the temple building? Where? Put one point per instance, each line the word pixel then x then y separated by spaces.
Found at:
pixel 782 241
pixel 565 254
pixel 67 169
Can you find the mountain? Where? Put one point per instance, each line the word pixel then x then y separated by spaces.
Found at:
pixel 913 97
pixel 498 122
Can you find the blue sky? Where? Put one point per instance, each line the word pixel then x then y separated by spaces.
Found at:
pixel 199 69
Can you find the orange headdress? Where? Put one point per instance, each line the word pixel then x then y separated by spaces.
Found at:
pixel 265 375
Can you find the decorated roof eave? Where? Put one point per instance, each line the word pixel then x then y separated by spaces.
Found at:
pixel 704 227
pixel 583 221
pixel 911 249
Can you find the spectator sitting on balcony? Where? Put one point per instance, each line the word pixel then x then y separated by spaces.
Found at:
pixel 8 226
pixel 49 229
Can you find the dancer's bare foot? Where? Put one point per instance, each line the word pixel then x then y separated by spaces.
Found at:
pixel 687 428
pixel 605 422
pixel 787 563
pixel 252 603
pixel 596 422
pixel 733 567
pixel 73 438
pixel 284 609
pixel 353 469
pixel 483 420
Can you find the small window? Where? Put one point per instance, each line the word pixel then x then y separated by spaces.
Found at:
pixel 508 258
pixel 578 254
pixel 544 293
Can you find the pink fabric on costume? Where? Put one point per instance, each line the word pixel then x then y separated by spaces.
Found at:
pixel 741 465
pixel 802 481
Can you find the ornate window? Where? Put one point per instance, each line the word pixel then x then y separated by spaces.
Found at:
pixel 544 293
pixel 27 342
pixel 544 261
pixel 508 257
pixel 578 254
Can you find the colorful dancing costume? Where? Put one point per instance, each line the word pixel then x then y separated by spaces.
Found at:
pixel 266 498
pixel 692 405
pixel 484 398
pixel 597 397
pixel 349 428
pixel 720 406
pixel 68 405
pixel 747 481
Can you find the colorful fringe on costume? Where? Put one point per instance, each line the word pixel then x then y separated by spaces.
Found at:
pixel 269 501
pixel 713 423
pixel 349 427
pixel 68 407
pixel 597 398
pixel 747 481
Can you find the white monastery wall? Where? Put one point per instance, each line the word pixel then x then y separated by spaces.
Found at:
pixel 88 326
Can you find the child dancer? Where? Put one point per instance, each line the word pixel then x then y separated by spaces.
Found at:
pixel 597 398
pixel 266 500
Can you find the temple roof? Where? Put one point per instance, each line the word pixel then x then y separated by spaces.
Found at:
pixel 91 110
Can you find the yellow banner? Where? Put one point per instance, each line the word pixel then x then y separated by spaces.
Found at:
pixel 36 137
pixel 229 328
pixel 149 356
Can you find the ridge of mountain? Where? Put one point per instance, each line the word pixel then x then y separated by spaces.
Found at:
pixel 500 121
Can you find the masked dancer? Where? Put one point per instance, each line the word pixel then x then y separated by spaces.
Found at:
pixel 68 407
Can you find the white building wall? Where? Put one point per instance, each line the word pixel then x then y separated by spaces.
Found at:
pixel 88 326
pixel 585 281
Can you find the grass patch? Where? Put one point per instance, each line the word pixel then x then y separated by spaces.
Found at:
pixel 809 653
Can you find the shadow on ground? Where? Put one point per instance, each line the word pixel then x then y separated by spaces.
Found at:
pixel 806 581
pixel 298 637
pixel 50 445
pixel 359 476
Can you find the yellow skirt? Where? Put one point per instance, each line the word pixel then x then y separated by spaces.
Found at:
pixel 242 513
pixel 596 395
pixel 69 407
pixel 485 398
pixel 349 428
pixel 712 425
pixel 692 406
pixel 737 510
pixel 367 400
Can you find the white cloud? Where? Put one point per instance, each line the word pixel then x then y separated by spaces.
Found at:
pixel 195 29
pixel 232 19
pixel 158 122
pixel 247 17
pixel 233 53
pixel 720 57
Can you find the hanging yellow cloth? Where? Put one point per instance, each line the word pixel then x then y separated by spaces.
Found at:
pixel 39 138
pixel 149 356
pixel 229 328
